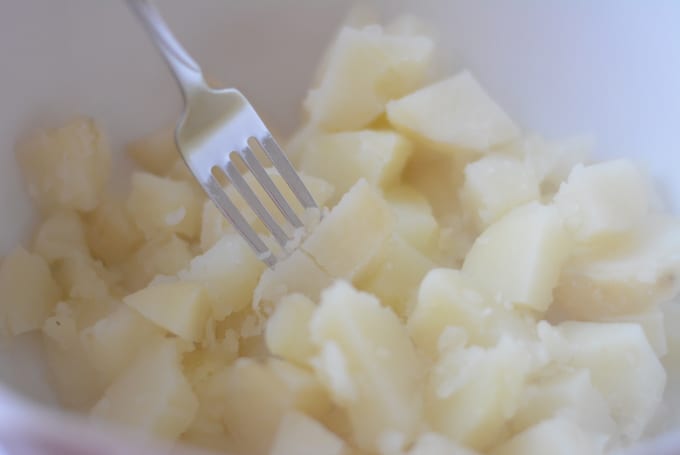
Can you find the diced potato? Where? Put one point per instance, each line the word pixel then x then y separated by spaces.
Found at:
pixel 111 343
pixel 447 299
pixel 415 222
pixel 66 167
pixel 342 159
pixel 603 199
pixel 112 235
pixel 374 68
pixel 629 278
pixel 553 161
pixel 567 395
pixel 472 392
pixel 379 374
pixel 496 184
pixel 258 395
pixel 301 435
pixel 180 307
pixel 439 178
pixel 344 247
pixel 287 333
pixel 396 280
pixel 436 444
pixel 652 323
pixel 155 153
pixel 60 235
pixel 556 436
pixel 607 350
pixel 152 395
pixel 229 271
pixel 164 255
pixel 159 206
pixel 465 117
pixel 28 291
pixel 518 259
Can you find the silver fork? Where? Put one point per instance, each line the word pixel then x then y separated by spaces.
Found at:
pixel 217 123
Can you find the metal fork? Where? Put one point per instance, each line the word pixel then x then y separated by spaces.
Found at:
pixel 217 123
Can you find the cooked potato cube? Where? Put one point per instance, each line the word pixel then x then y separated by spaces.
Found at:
pixel 414 220
pixel 496 184
pixel 518 259
pixel 152 394
pixel 374 68
pixel 471 392
pixel 66 167
pixel 466 117
pixel 287 333
pixel 396 280
pixel 159 205
pixel 603 199
pixel 28 291
pixel 300 435
pixel 352 234
pixel 229 271
pixel 652 323
pixel 155 153
pixel 111 233
pixel 59 236
pixel 553 161
pixel 436 444
pixel 180 307
pixel 258 395
pixel 607 350
pixel 344 158
pixel 369 364
pixel 111 343
pixel 439 178
pixel 557 436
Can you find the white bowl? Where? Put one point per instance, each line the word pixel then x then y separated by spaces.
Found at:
pixel 607 68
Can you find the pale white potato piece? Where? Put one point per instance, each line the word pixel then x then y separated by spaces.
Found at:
pixel 379 376
pixel 66 167
pixel 652 323
pixel 60 235
pixel 556 436
pixel 603 199
pixel 28 291
pixel 414 219
pixel 496 184
pixel 111 233
pixel 343 158
pixel 552 161
pixel 160 206
pixel 352 234
pixel 375 68
pixel 518 259
pixel 437 444
pixel 300 435
pixel 287 332
pixel 181 307
pixel 152 395
pixel 156 152
pixel 608 350
pixel 257 396
pixel 453 114
pixel 111 343
pixel 395 281
pixel 229 270
pixel 472 392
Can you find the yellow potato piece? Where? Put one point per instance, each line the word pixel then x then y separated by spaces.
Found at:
pixel 155 153
pixel 300 435
pixel 111 233
pixel 287 332
pixel 415 221
pixel 556 436
pixel 59 236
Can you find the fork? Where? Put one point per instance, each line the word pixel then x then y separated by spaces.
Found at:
pixel 216 124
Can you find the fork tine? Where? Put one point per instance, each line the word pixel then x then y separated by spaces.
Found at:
pixel 254 202
pixel 230 211
pixel 281 163
pixel 270 187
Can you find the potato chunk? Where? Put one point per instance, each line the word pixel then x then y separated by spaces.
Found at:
pixel 287 333
pixel 518 259
pixel 556 436
pixel 375 68
pixel 301 435
pixel 652 323
pixel 112 234
pixel 415 221
pixel 164 255
pixel 59 236
pixel 66 167
pixel 368 362
pixel 155 153
pixel 180 307
pixel 342 159
pixel 465 117
pixel 28 291
pixel 152 395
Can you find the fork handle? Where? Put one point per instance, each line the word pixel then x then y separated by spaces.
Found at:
pixel 185 69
